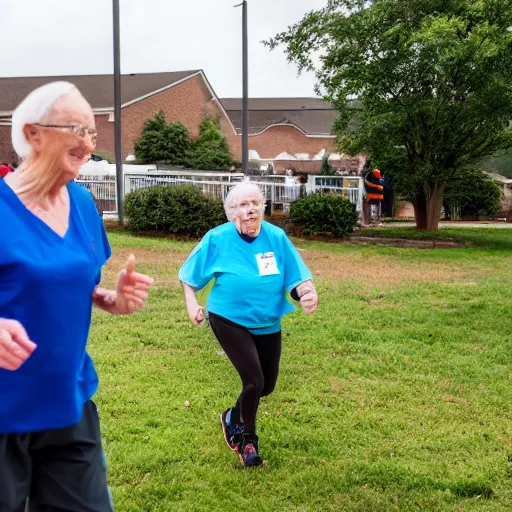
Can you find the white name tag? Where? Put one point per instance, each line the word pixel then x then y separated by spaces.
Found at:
pixel 267 264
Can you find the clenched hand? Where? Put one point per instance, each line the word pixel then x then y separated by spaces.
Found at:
pixel 15 345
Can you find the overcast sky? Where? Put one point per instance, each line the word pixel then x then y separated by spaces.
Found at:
pixel 68 37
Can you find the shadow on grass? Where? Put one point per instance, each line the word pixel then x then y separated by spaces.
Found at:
pixel 387 476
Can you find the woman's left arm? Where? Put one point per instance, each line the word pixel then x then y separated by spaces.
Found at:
pixel 297 272
pixel 130 294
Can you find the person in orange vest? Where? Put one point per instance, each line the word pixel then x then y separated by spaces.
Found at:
pixel 374 194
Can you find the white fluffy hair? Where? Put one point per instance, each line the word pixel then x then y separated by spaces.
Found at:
pixel 34 109
pixel 236 194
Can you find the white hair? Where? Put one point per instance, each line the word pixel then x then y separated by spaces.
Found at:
pixel 34 109
pixel 235 195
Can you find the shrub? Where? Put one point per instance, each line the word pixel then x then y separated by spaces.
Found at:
pixel 180 210
pixel 162 142
pixel 327 213
pixel 210 151
pixel 327 169
pixel 474 194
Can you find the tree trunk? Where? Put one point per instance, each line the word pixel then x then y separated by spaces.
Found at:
pixel 427 208
pixel 420 210
pixel 434 203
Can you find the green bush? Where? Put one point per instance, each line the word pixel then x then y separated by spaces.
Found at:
pixel 327 169
pixel 162 142
pixel 474 194
pixel 180 210
pixel 326 213
pixel 210 151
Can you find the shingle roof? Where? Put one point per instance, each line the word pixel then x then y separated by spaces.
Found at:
pixel 312 122
pixel 278 104
pixel 97 89
pixel 312 115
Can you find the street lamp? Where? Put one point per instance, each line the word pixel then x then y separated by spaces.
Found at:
pixel 245 86
pixel 117 112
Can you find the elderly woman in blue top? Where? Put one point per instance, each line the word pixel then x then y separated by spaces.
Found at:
pixel 52 249
pixel 253 264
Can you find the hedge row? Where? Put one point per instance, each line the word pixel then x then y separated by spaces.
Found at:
pixel 179 210
pixel 185 210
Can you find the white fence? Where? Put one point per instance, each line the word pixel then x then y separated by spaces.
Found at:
pixel 351 187
pixel 104 191
pixel 279 191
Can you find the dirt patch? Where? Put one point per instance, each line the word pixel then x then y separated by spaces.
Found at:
pixel 454 400
pixel 382 271
pixel 402 242
pixel 162 265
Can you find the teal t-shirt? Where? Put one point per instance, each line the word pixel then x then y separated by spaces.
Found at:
pixel 251 278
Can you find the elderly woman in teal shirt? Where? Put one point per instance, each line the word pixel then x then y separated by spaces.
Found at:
pixel 253 264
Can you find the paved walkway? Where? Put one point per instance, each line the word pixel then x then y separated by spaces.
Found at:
pixel 455 224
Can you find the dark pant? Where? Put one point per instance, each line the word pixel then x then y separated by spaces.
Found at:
pixel 256 359
pixel 60 470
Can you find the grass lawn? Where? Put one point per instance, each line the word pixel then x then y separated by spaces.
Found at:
pixel 395 396
pixel 480 237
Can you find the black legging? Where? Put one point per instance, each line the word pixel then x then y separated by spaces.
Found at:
pixel 256 359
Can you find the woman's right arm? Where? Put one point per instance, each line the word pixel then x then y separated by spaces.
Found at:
pixel 195 274
pixel 195 311
pixel 15 345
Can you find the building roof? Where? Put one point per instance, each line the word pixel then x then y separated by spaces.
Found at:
pixel 97 89
pixel 311 115
pixel 311 122
pixel 278 104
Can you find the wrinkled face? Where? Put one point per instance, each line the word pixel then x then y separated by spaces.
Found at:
pixel 249 213
pixel 65 140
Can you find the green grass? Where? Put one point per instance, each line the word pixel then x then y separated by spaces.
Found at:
pixel 391 397
pixel 492 238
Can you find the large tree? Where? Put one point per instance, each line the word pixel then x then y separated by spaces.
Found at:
pixel 432 79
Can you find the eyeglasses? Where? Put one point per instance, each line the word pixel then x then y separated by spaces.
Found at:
pixel 76 129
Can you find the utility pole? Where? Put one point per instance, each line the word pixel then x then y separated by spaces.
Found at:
pixel 245 87
pixel 117 113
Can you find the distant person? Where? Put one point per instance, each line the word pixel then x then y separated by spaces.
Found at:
pixel 254 264
pixel 52 250
pixel 374 194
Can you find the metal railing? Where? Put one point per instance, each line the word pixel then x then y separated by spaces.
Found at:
pixel 351 187
pixel 278 191
pixel 103 189
pixel 217 189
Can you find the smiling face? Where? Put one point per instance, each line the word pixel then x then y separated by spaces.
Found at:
pixel 65 140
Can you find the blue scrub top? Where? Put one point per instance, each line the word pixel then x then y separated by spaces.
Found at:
pixel 251 278
pixel 46 284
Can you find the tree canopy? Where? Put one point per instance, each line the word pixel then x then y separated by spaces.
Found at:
pixel 170 143
pixel 432 80
pixel 162 142
pixel 210 151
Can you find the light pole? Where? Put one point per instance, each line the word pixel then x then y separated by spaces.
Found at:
pixel 245 86
pixel 117 112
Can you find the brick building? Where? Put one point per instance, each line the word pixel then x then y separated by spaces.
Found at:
pixel 291 133
pixel 183 96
